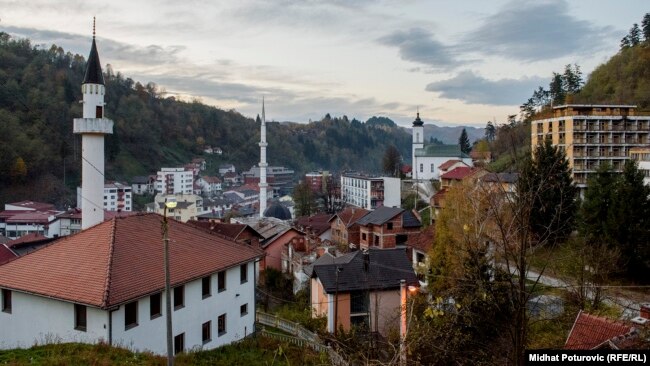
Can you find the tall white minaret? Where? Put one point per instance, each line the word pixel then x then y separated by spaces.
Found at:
pixel 92 127
pixel 263 164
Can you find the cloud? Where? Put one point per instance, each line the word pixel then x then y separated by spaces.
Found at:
pixel 419 45
pixel 535 30
pixel 474 89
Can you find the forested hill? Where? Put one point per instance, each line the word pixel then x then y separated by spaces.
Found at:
pixel 40 92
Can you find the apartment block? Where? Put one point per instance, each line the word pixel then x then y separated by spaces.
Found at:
pixel 592 135
pixel 642 156
pixel 370 192
pixel 174 180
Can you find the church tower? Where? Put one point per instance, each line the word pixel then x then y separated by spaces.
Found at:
pixel 418 143
pixel 92 127
pixel 263 185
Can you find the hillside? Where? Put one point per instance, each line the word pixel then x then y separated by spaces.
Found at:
pixel 39 97
pixel 450 135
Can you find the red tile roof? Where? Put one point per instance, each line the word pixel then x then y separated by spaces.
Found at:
pixel 31 205
pixel 212 180
pixel 318 223
pixel 6 254
pixel 424 240
pixel 40 217
pixel 457 173
pixel 590 332
pixel 29 238
pixel 121 260
pixel 448 164
pixel 350 215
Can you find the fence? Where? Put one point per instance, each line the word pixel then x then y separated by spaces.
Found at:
pixel 303 337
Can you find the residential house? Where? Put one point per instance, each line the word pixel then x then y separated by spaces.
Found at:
pixel 17 223
pixel 226 168
pixel 419 248
pixel 232 179
pixel 200 163
pixel 209 185
pixel 345 229
pixel 594 332
pixel 459 174
pixel 361 288
pixel 317 226
pixel 106 284
pixel 143 184
pixel 501 182
pixel 240 233
pixel 188 206
pixel 387 227
pixel 450 165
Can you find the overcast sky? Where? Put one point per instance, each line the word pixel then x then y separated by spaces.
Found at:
pixel 460 62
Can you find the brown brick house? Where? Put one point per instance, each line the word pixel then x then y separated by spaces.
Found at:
pixel 345 229
pixel 387 227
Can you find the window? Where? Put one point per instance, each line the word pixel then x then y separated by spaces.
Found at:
pixel 179 298
pixel 421 168
pixel 363 236
pixel 431 168
pixel 389 226
pixel 205 287
pixel 130 315
pixel 221 281
pixel 221 324
pixel 98 112
pixel 155 305
pixel 243 310
pixel 179 343
pixel 206 335
pixel 243 272
pixel 6 301
pixel 79 317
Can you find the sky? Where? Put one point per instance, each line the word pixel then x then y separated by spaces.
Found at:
pixel 457 62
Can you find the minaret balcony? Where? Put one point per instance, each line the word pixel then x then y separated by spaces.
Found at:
pixel 264 144
pixel 93 125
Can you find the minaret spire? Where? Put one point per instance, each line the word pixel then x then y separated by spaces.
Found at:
pixel 263 185
pixel 92 128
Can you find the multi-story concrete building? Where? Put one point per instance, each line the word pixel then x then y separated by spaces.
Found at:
pixel 642 156
pixel 278 177
pixel 370 192
pixel 319 181
pixel 592 135
pixel 117 197
pixel 174 180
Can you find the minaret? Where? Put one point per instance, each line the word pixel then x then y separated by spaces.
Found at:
pixel 263 164
pixel 418 143
pixel 92 127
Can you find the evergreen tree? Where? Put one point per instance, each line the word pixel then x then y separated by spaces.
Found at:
pixel 634 35
pixel 597 204
pixel 463 141
pixel 572 79
pixel 645 27
pixel 490 131
pixel 556 89
pixel 546 183
pixel 625 43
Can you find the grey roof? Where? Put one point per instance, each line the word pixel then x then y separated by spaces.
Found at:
pixel 380 215
pixel 232 197
pixel 93 67
pixel 409 220
pixel 501 177
pixel 441 151
pixel 385 268
pixel 140 179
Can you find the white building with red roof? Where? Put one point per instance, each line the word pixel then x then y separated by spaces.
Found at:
pixel 105 284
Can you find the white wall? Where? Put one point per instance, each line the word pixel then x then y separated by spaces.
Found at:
pixel 150 334
pixel 37 320
pixel 437 161
pixel 392 192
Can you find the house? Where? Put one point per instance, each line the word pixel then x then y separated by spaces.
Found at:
pixel 317 226
pixel 209 185
pixel 450 165
pixel 595 332
pixel 345 229
pixel 188 206
pixel 143 184
pixel 240 233
pixel 28 243
pixel 232 179
pixel 419 248
pixel 200 163
pixel 387 227
pixel 361 288
pixel 501 182
pixel 106 284
pixel 457 175
pixel 226 168
pixel 17 223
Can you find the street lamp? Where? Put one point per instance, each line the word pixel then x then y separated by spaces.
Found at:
pixel 170 202
pixel 402 325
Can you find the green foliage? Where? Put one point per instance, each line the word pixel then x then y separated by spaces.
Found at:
pixel 39 94
pixel 546 183
pixel 490 131
pixel 463 141
pixel 616 213
pixel 408 202
pixel 304 199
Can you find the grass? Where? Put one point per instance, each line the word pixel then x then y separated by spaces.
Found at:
pixel 252 351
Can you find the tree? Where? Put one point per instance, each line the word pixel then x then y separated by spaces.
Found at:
pixel 634 35
pixel 463 141
pixel 625 43
pixel 304 199
pixel 598 200
pixel 556 89
pixel 490 131
pixel 572 79
pixel 547 179
pixel 645 27
pixel 391 161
